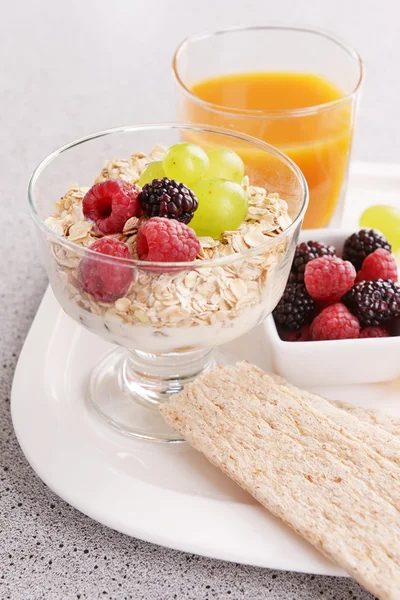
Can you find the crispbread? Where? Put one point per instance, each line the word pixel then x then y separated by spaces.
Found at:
pixel 372 416
pixel 369 415
pixel 335 479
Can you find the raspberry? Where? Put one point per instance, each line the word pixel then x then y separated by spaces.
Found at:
pixel 168 198
pixel 335 323
pixel 166 240
pixel 374 302
pixel 329 278
pixel 304 253
pixel 378 265
pixel 102 277
pixel 110 204
pixel 374 332
pixel 359 245
pixel 303 335
pixel 295 308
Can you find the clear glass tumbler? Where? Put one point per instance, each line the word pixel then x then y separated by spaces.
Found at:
pixel 171 315
pixel 317 138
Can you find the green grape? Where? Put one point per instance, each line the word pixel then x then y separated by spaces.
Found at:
pixel 226 164
pixel 185 162
pixel 386 219
pixel 222 207
pixel 153 170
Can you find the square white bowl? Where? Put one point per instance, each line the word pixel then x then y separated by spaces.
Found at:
pixel 334 362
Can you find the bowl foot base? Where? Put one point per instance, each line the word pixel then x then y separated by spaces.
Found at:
pixel 127 387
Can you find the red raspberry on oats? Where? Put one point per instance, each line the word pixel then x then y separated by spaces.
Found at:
pixel 110 204
pixel 335 323
pixel 102 277
pixel 166 240
pixel 329 277
pixel 379 265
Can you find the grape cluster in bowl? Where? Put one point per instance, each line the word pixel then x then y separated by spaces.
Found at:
pixel 328 297
pixel 197 187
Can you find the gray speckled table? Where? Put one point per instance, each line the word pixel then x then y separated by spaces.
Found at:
pixel 68 69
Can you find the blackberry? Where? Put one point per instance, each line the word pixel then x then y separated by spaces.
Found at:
pixel 304 253
pixel 359 245
pixel 295 308
pixel 168 198
pixel 374 302
pixel 394 326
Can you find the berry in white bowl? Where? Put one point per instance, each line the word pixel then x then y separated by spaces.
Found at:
pixel 337 340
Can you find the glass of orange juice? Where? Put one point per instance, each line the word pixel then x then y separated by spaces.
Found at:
pixel 293 88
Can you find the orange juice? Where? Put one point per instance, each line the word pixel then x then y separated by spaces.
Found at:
pixel 317 138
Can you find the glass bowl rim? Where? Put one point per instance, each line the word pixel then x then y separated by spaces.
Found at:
pixel 165 266
pixel 272 113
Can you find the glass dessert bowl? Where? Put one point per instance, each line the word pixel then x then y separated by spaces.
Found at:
pixel 165 316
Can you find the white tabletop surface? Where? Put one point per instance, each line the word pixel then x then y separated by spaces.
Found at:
pixel 69 68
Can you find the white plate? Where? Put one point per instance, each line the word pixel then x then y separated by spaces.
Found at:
pixel 167 495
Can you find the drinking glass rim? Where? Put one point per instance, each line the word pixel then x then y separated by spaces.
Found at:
pixel 270 113
pixel 195 264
